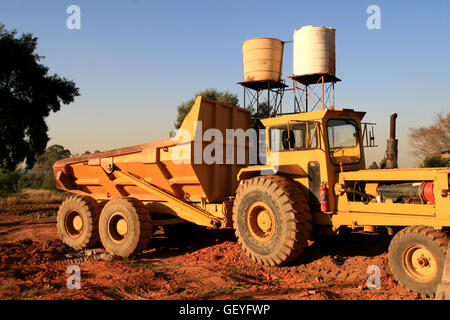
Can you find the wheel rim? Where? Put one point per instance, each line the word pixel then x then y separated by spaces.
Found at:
pixel 118 227
pixel 420 263
pixel 73 223
pixel 261 221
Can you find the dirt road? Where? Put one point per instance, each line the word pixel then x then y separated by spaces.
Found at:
pixel 33 265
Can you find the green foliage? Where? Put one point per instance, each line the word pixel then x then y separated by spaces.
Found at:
pixel 432 162
pixel 374 165
pixel 43 178
pixel 29 180
pixel 264 111
pixel 14 181
pixel 27 96
pixel 211 93
pixel 48 182
pixel 383 163
pixel 9 182
pixel 45 161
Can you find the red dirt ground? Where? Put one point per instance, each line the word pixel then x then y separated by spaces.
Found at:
pixel 209 266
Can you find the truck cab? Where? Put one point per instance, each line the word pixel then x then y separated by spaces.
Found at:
pixel 312 148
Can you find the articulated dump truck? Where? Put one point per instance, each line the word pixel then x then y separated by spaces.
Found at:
pixel 313 182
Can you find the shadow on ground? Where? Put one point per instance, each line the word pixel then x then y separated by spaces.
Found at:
pixel 163 247
pixel 339 246
pixel 349 245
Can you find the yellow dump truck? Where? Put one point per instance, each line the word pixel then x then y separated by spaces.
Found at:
pixel 313 180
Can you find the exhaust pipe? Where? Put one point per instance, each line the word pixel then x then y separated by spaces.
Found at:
pixel 391 148
pixel 392 132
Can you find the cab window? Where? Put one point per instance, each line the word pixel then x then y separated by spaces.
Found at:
pixel 279 138
pixel 296 136
pixel 343 141
pixel 305 135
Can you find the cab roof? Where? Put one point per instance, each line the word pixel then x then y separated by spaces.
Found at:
pixel 313 116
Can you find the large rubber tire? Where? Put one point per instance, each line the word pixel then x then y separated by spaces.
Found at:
pixel 124 227
pixel 77 222
pixel 417 257
pixel 272 219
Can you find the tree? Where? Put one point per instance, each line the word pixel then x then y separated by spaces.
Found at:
pixel 9 182
pixel 429 142
pixel 374 165
pixel 27 96
pixel 45 161
pixel 263 111
pixel 432 161
pixel 211 93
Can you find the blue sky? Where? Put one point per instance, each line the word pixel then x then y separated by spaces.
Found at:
pixel 135 61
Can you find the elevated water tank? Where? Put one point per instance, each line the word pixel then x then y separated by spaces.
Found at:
pixel 314 51
pixel 263 58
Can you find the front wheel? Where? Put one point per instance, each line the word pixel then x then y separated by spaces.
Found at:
pixel 417 257
pixel 272 219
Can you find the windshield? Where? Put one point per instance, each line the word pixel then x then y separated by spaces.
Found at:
pixel 343 140
pixel 342 133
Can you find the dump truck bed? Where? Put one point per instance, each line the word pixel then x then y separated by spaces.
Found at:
pixel 171 165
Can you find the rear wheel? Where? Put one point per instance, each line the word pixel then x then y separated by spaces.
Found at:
pixel 272 219
pixel 77 222
pixel 417 257
pixel 124 227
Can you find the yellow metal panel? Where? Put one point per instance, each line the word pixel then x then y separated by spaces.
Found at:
pixel 393 208
pixel 422 174
pixel 376 219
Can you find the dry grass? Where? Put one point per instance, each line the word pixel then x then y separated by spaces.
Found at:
pixel 31 196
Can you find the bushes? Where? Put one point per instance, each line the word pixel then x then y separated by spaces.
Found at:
pixel 432 161
pixel 37 181
pixel 9 182
pixel 15 181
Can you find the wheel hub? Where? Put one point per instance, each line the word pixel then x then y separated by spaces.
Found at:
pixel 264 221
pixel 122 227
pixel 420 263
pixel 73 223
pixel 78 223
pixel 118 227
pixel 261 221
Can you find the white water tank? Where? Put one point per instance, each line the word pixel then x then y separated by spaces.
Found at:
pixel 314 51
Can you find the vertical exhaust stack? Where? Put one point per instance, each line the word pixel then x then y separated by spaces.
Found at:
pixel 391 148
